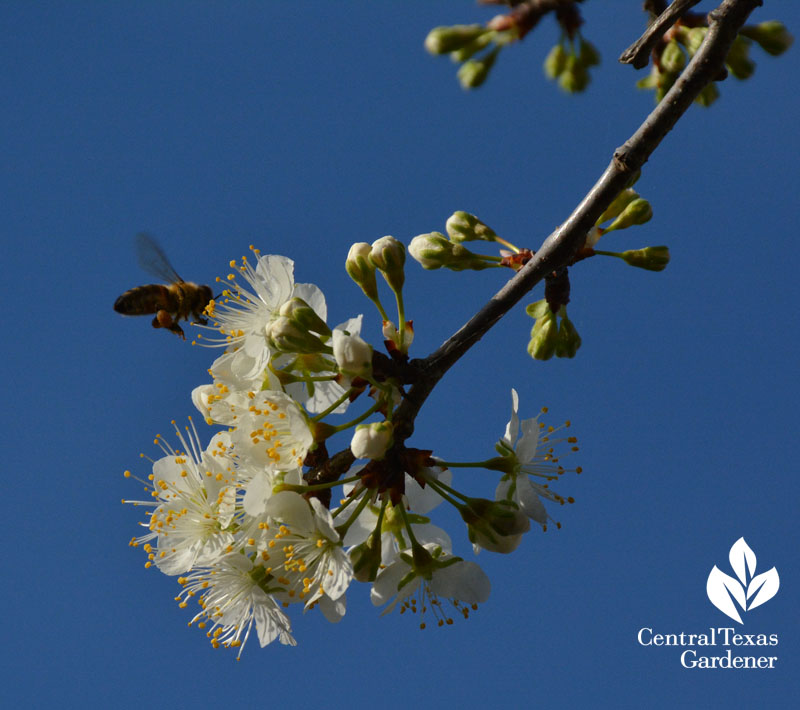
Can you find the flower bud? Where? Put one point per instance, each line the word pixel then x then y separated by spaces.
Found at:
pixel 588 54
pixel 371 441
pixel 694 38
pixel 771 36
pixel 432 250
pixel 366 558
pixel 470 50
pixel 441 40
pixel 304 316
pixel 538 309
pixel 389 255
pixel 464 227
pixel 637 212
pixel 568 340
pixel 574 78
pixel 556 62
pixel 650 258
pixel 708 95
pixel 738 62
pixel 672 58
pixel 284 335
pixel 620 202
pixel 353 355
pixel 544 337
pixel 361 269
pixel 473 73
pixel 497 526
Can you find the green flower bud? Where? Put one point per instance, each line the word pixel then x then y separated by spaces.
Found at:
pixel 372 441
pixel 588 54
pixel 361 269
pixel 574 78
pixel 556 62
pixel 568 340
pixel 650 258
pixel 441 40
pixel 474 72
pixel 650 81
pixel 432 250
pixel 285 336
pixel 470 50
pixel 544 337
pixel 694 38
pixel 497 526
pixel 304 317
pixel 620 202
pixel 636 212
pixel 366 558
pixel 708 95
pixel 771 36
pixel 389 255
pixel 538 309
pixel 672 58
pixel 738 62
pixel 464 227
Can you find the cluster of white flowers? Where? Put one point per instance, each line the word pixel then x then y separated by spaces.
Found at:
pixel 247 524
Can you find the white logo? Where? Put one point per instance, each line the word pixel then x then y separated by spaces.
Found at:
pixel 749 590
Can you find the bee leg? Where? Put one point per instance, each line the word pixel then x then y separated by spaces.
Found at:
pixel 201 320
pixel 164 320
pixel 175 328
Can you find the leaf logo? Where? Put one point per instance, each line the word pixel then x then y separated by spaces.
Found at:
pixel 749 590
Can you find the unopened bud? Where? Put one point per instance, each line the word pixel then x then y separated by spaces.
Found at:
pixel 694 38
pixel 771 36
pixel 637 212
pixel 620 202
pixel 672 58
pixel 366 558
pixel 371 441
pixel 389 255
pixel 738 62
pixel 464 227
pixel 708 95
pixel 432 250
pixel 497 526
pixel 304 317
pixel 568 340
pixel 650 258
pixel 361 269
pixel 471 49
pixel 556 62
pixel 353 355
pixel 473 73
pixel 441 40
pixel 284 335
pixel 588 54
pixel 544 337
pixel 574 78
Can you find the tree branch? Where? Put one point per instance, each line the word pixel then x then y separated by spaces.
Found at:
pixel 561 245
pixel 638 54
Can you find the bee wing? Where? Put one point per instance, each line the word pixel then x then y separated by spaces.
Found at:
pixel 153 259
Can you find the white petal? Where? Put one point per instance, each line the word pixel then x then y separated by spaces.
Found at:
pixel 464 581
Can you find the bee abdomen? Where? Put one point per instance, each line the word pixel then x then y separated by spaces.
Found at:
pixel 143 300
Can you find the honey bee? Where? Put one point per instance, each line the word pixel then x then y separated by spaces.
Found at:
pixel 171 301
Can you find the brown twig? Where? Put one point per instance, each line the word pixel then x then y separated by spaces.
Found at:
pixel 561 246
pixel 638 54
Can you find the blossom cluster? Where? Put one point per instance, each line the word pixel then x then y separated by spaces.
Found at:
pixel 262 518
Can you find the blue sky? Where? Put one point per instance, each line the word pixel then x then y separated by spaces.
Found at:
pixel 304 127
